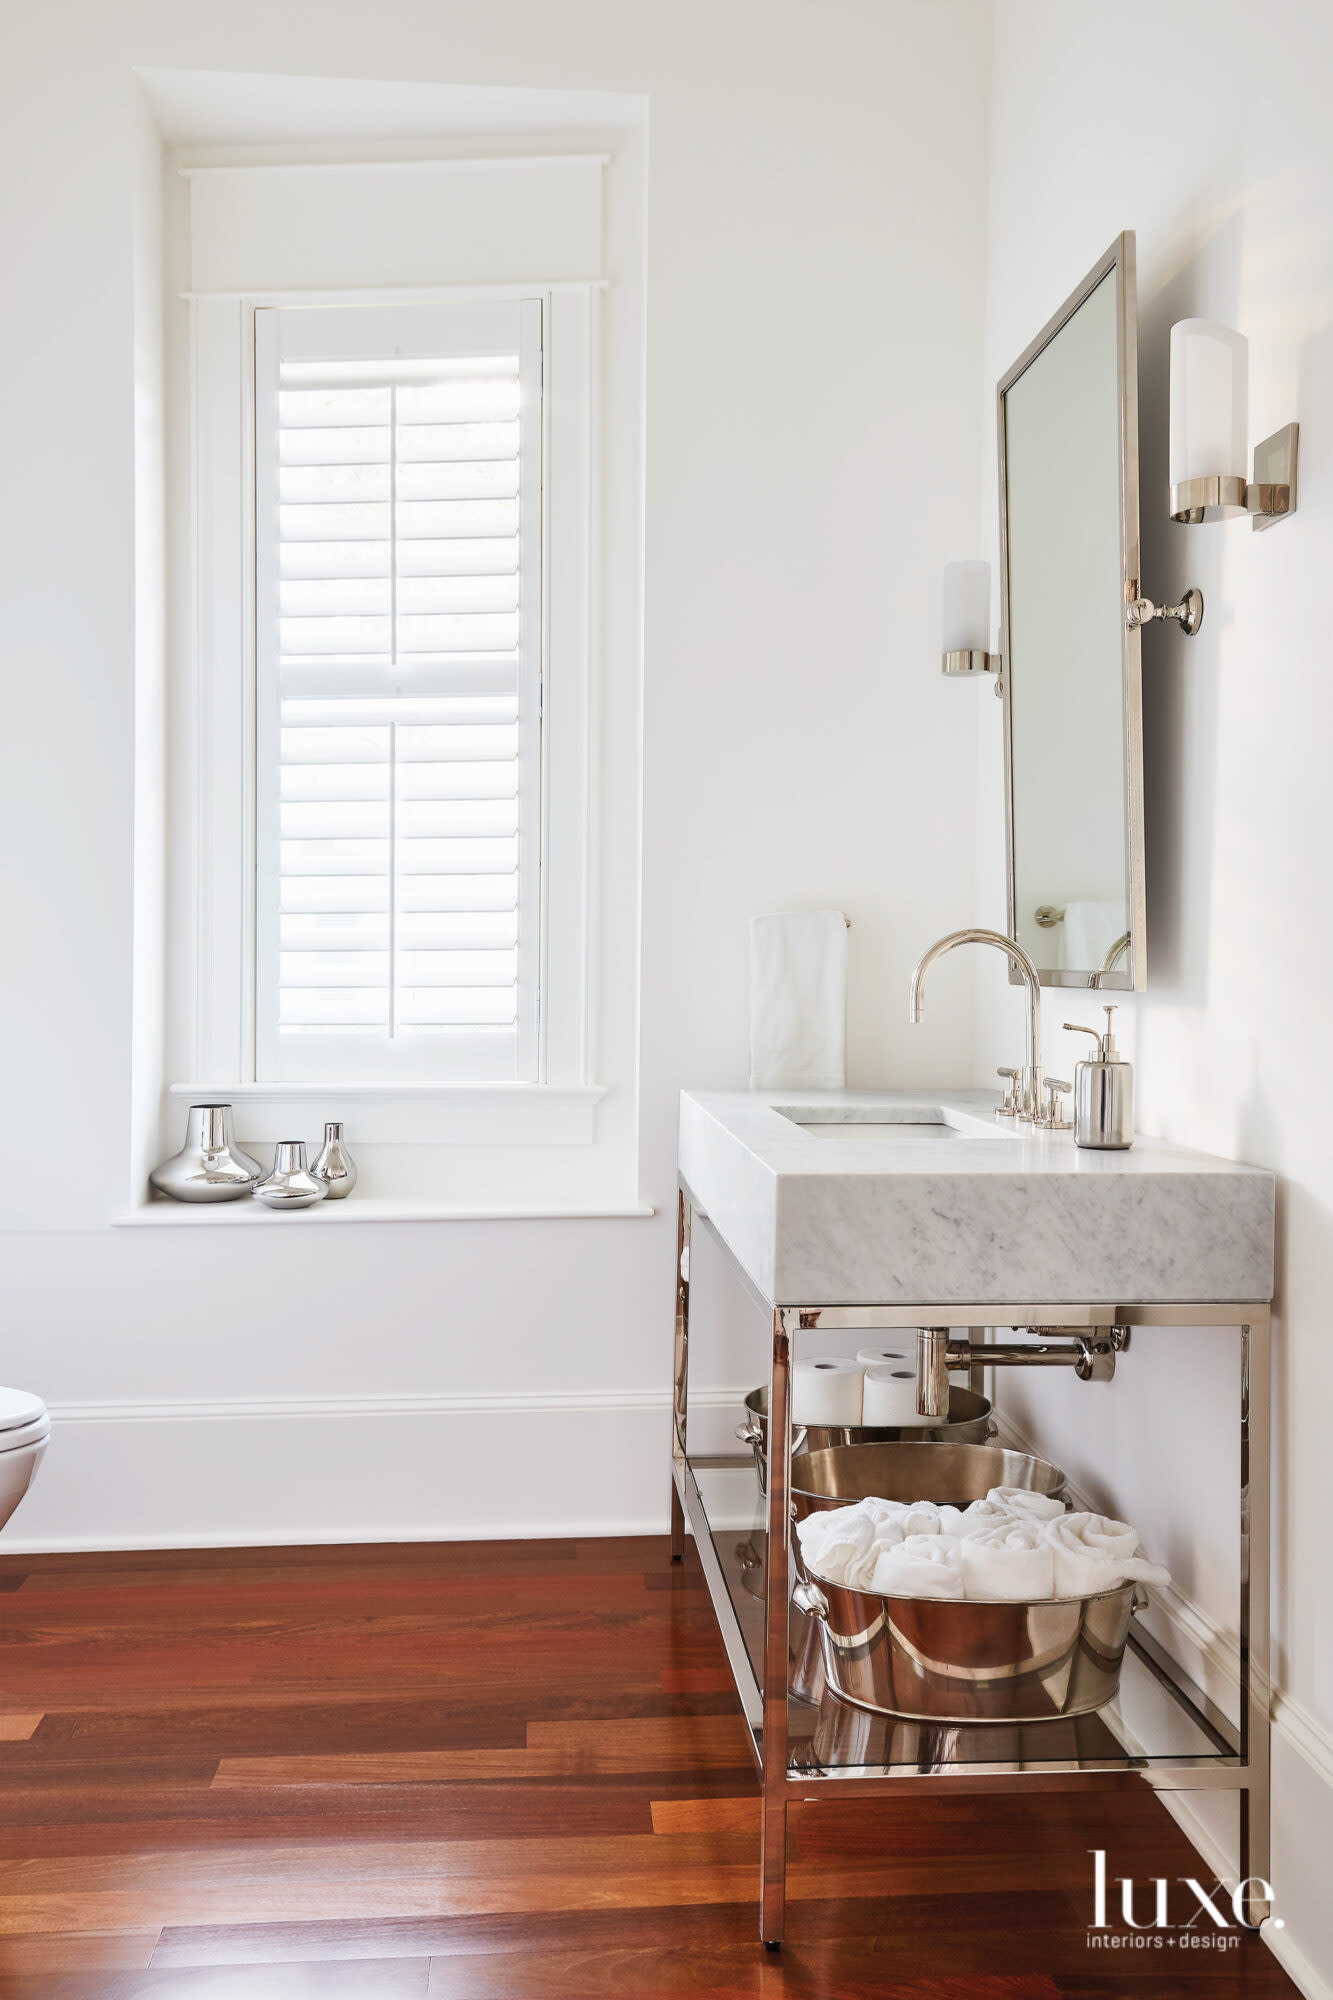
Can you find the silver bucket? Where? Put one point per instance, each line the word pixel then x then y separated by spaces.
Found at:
pixel 951 1660
pixel 914 1468
pixel 969 1422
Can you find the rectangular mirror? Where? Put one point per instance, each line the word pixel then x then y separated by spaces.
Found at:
pixel 1069 560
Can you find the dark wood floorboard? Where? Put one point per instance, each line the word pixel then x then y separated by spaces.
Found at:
pixel 488 1771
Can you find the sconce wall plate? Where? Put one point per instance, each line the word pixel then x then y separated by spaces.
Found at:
pixel 1274 478
pixel 1269 497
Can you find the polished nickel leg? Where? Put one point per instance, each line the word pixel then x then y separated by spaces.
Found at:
pixel 1255 1811
pixel 681 1368
pixel 777 1583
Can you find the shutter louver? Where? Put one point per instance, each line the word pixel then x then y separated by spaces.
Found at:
pixel 404 725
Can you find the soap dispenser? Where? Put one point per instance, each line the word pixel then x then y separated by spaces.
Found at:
pixel 1103 1093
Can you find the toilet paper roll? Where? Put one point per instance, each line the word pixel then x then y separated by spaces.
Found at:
pixel 890 1396
pixel 894 1354
pixel 826 1390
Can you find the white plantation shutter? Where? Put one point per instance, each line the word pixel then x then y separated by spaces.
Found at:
pixel 398 580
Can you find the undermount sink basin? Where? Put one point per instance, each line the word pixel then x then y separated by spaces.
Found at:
pixel 925 1128
pixel 918 1122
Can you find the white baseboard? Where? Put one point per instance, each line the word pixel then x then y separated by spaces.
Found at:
pixel 236 1473
pixel 1295 1964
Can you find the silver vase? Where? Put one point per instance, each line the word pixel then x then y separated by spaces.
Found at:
pixel 291 1184
pixel 210 1166
pixel 335 1165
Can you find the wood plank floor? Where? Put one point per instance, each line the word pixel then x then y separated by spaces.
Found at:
pixel 487 1772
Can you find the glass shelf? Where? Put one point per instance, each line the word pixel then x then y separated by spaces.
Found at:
pixel 1158 1720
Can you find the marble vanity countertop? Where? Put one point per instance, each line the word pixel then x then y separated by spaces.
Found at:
pixel 925 1197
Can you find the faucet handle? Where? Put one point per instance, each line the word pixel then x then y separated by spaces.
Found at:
pixel 1052 1119
pixel 1010 1106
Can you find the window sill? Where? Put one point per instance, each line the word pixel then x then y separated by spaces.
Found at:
pixel 404 1114
pixel 368 1208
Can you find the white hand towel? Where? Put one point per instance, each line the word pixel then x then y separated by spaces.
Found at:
pixel 798 1001
pixel 833 1539
pixel 1022 1504
pixel 842 1543
pixel 920 1566
pixel 1088 932
pixel 1093 1553
pixel 923 1517
pixel 1008 1562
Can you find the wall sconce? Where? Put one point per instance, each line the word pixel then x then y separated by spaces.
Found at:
pixel 1210 427
pixel 965 622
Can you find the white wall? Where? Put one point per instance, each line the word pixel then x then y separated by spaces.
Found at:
pixel 814 305
pixel 1203 125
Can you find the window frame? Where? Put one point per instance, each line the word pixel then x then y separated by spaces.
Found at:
pixel 215 756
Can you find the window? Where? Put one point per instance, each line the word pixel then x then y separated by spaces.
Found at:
pixel 398 593
pixel 406 667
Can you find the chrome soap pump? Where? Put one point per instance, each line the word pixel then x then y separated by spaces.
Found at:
pixel 1103 1093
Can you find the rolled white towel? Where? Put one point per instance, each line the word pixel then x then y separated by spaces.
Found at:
pixel 1012 1561
pixel 835 1537
pixel 1092 1553
pixel 923 1517
pixel 843 1544
pixel 920 1566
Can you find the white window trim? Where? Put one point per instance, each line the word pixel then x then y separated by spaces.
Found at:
pixel 569 1144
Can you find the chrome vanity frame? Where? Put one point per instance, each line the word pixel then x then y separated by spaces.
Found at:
pixel 1241 1765
pixel 1119 259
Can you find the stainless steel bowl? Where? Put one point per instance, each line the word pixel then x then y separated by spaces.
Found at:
pixel 915 1469
pixel 969 1422
pixel 950 1660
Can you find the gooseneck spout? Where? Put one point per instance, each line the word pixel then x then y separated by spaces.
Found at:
pixel 1029 1093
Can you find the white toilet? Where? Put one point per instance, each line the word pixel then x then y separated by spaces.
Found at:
pixel 24 1429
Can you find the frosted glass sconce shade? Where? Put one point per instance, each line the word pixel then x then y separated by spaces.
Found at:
pixel 1210 415
pixel 1210 433
pixel 965 608
pixel 965 621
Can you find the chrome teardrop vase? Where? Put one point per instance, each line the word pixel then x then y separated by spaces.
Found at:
pixel 335 1165
pixel 291 1184
pixel 210 1165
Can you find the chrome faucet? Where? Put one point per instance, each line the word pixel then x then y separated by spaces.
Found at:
pixel 1024 1101
pixel 1118 950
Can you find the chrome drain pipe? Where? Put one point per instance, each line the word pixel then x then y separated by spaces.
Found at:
pixel 1089 1351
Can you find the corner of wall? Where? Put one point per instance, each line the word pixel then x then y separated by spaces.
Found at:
pixel 150 721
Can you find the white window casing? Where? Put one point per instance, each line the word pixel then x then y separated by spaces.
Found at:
pixel 406 708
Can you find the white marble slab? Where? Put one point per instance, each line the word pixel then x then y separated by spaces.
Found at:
pixel 956 1207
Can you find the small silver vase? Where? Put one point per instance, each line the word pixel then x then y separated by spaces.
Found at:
pixel 210 1166
pixel 291 1184
pixel 335 1165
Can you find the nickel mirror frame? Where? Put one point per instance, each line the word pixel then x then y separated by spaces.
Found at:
pixel 1120 260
